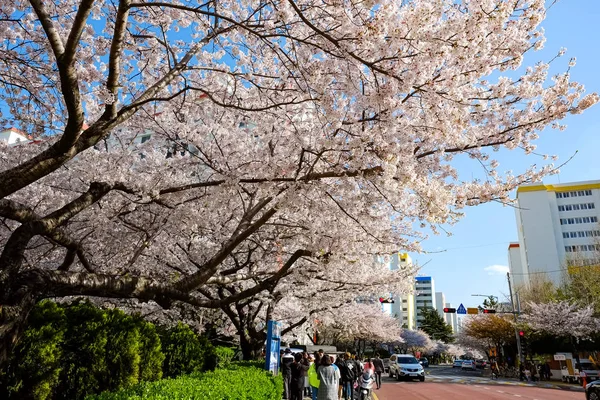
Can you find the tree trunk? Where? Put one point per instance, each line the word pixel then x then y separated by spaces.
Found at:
pixel 13 317
pixel 250 347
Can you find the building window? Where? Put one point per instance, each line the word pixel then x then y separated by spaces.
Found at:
pixel 580 234
pixel 565 235
pixel 588 192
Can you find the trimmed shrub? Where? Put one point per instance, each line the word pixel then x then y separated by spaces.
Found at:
pixel 151 355
pixel 70 351
pixel 242 383
pixel 223 356
pixel 84 364
pixel 34 368
pixel 185 352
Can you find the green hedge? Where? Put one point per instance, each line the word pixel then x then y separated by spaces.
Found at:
pixel 69 351
pixel 223 356
pixel 185 352
pixel 239 383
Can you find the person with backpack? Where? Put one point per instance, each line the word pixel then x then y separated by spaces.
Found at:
pixel 349 376
pixel 313 379
pixel 299 369
pixel 379 369
pixel 287 359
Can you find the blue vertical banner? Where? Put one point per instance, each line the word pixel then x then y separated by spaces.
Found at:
pixel 273 346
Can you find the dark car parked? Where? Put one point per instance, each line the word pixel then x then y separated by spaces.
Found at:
pixel 424 362
pixel 592 391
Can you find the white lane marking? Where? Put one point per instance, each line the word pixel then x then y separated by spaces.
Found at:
pixel 517 395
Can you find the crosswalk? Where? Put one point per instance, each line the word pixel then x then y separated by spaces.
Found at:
pixel 478 380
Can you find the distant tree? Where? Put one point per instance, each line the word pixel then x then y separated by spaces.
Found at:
pixel 485 331
pixel 414 340
pixel 491 303
pixel 563 319
pixel 434 325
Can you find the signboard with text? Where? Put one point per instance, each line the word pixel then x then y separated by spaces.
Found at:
pixel 273 346
pixel 472 310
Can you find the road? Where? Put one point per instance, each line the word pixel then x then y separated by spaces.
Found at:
pixel 446 384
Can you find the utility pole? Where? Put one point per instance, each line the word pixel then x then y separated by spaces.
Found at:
pixel 514 312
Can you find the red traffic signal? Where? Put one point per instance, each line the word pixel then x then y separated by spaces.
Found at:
pixel 489 311
pixel 521 333
pixel 449 310
pixel 386 300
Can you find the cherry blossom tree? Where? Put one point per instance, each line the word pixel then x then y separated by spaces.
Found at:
pixel 286 135
pixel 414 340
pixel 354 325
pixel 563 319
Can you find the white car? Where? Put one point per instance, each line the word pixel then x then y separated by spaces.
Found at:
pixel 469 364
pixel 406 366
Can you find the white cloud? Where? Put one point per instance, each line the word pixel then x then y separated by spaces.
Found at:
pixel 497 269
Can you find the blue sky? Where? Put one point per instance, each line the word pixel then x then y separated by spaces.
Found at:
pixel 473 259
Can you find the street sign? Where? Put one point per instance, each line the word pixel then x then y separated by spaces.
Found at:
pixel 273 346
pixel 472 310
pixel 560 357
pixel 461 309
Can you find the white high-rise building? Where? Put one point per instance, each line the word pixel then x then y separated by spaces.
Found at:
pixel 403 307
pixel 424 296
pixel 555 223
pixel 440 301
pixel 451 319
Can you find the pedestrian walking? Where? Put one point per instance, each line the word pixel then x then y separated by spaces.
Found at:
pixel 307 361
pixel 329 378
pixel 287 359
pixel 349 372
pixel 313 379
pixel 379 369
pixel 299 370
pixel 340 365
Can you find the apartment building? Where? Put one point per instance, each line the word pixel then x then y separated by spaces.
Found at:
pixel 557 225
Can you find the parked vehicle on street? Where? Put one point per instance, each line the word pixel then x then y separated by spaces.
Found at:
pixel 386 364
pixel 573 372
pixel 468 365
pixel 424 362
pixel 457 364
pixel 592 391
pixel 406 366
pixel 481 364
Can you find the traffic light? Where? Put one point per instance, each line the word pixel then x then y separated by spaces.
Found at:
pixel 486 311
pixel 449 310
pixel 386 300
pixel 521 334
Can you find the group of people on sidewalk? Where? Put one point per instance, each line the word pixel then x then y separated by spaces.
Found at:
pixel 325 377
pixel 534 372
